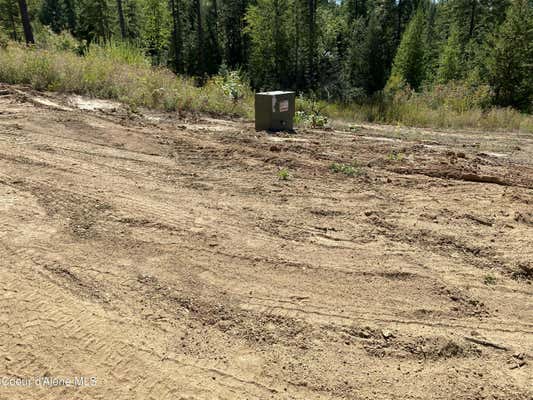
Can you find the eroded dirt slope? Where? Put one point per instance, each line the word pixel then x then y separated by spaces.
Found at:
pixel 164 256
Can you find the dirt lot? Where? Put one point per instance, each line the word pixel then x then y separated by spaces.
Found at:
pixel 165 257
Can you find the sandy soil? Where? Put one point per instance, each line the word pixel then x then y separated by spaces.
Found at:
pixel 165 257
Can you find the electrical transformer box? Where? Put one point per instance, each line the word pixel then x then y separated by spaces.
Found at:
pixel 274 111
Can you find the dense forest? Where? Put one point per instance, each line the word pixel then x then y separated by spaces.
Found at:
pixel 339 51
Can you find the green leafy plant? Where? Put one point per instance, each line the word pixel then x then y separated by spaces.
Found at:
pixel 346 169
pixel 231 84
pixel 283 174
pixel 310 113
pixel 396 156
pixel 489 280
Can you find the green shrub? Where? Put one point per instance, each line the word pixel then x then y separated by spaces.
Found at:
pixel 310 112
pixel 283 174
pixel 117 71
pixel 348 170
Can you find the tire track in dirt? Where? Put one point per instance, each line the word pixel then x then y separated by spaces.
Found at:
pixel 201 275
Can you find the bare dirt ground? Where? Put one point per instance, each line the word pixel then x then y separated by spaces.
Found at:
pixel 165 257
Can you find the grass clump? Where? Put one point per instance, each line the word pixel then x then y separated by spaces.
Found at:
pixel 489 280
pixel 283 174
pixel 396 156
pixel 346 169
pixel 120 72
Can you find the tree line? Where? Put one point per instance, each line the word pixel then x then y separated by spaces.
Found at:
pixel 338 50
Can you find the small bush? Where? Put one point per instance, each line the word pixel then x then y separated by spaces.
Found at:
pixel 348 170
pixel 309 112
pixel 48 40
pixel 283 174
pixel 396 156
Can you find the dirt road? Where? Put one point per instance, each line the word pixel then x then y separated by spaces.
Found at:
pixel 165 258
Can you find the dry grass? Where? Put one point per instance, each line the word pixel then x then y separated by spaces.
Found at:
pixel 122 73
pixel 115 73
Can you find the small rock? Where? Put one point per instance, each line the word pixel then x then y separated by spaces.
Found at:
pixel 387 334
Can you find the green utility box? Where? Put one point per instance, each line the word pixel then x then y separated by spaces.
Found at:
pixel 274 111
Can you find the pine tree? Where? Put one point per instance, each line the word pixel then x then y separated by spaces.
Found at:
pixel 234 39
pixel 51 14
pixel 96 20
pixel 408 66
pixel 267 26
pixel 10 19
pixel 212 39
pixel 156 30
pixel 121 19
pixel 70 13
pixel 451 62
pixel 132 19
pixel 510 63
pixel 176 10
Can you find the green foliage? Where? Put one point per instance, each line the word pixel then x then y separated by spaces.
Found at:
pixel 58 15
pixel 309 112
pixel 346 169
pixel 119 52
pixel 444 63
pixel 4 41
pixel 267 26
pixel 10 24
pixel 156 30
pixel 396 156
pixel 510 62
pixel 283 174
pixel 231 84
pixel 63 41
pixel 104 73
pixel 451 63
pixel 409 63
pixel 96 20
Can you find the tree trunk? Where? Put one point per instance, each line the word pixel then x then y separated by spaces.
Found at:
pixel 71 15
pixel 312 41
pixel 399 26
pixel 176 33
pixel 121 20
pixel 472 19
pixel 14 27
pixel 28 34
pixel 200 38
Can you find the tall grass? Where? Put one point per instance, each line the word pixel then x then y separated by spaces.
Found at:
pixel 117 72
pixel 122 72
pixel 446 106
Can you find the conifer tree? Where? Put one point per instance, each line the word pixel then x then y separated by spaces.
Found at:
pixel 156 30
pixel 51 14
pixel 450 61
pixel 10 19
pixel 408 66
pixel 510 63
pixel 267 26
pixel 96 21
